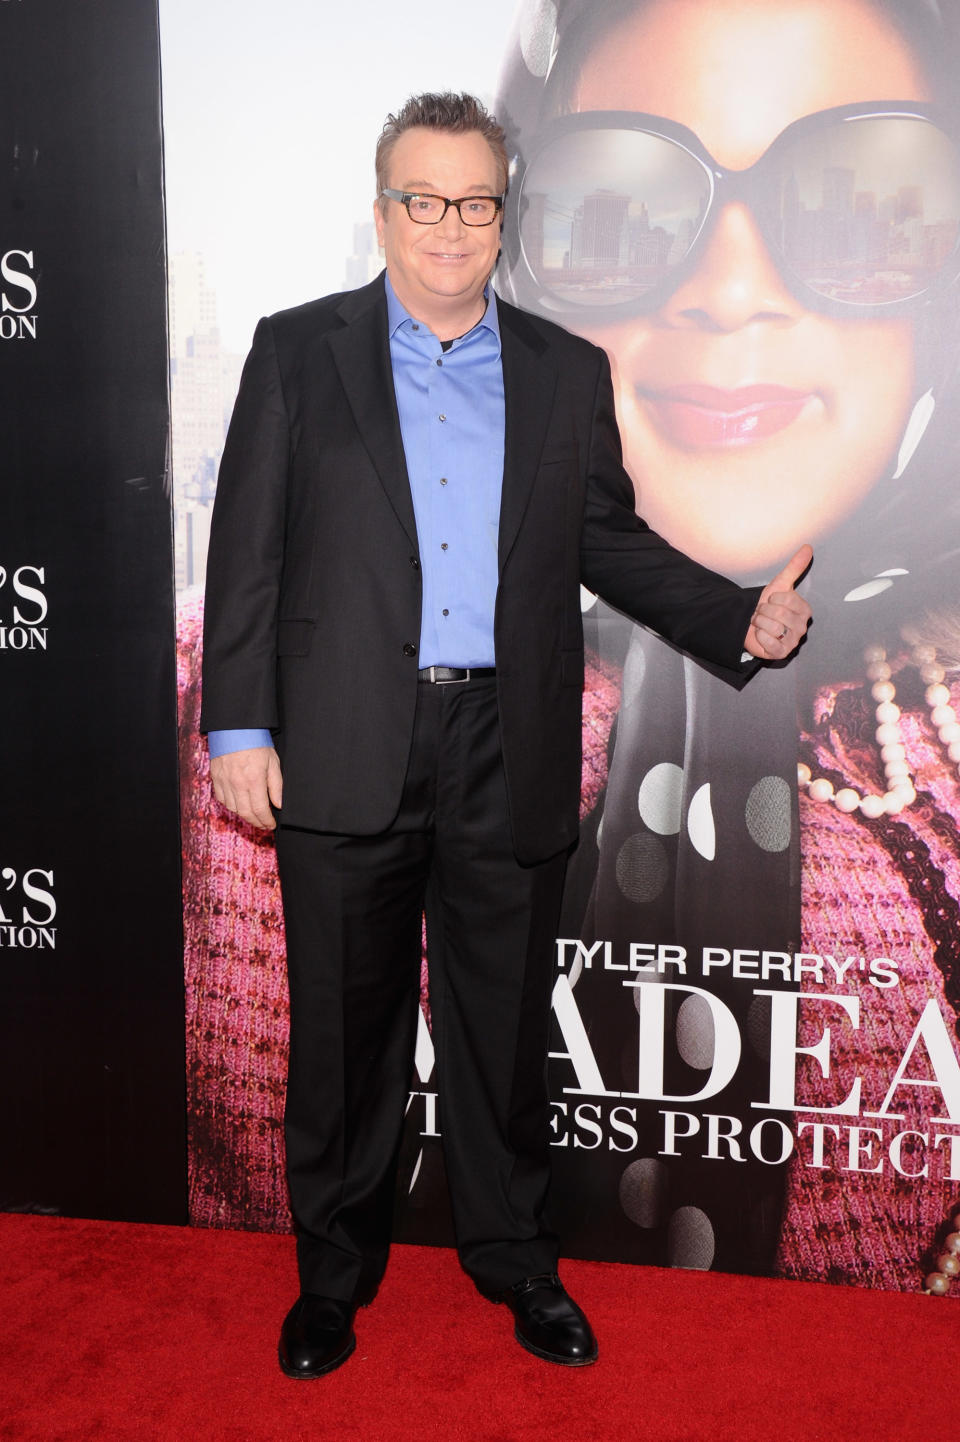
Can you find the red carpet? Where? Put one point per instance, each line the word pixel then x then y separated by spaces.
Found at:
pixel 112 1332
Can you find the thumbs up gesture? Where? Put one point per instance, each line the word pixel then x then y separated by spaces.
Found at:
pixel 782 616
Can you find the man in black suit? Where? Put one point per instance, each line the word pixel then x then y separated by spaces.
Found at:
pixel 417 479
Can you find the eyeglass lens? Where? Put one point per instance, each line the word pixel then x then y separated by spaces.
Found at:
pixel 430 209
pixel 863 211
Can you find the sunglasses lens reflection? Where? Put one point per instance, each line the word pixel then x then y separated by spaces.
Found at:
pixel 607 214
pixel 868 211
pixel 863 211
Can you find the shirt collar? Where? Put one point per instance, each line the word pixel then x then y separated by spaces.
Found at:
pixel 397 312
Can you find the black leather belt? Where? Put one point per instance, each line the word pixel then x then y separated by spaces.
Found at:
pixel 444 675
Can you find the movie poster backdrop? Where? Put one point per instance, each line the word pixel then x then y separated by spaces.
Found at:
pixel 755 1063
pixel 91 1051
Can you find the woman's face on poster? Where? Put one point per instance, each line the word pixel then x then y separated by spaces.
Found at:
pixel 751 423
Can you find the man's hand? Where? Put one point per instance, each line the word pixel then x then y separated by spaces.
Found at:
pixel 247 781
pixel 781 619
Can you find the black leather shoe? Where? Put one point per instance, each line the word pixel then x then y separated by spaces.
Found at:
pixel 316 1336
pixel 549 1323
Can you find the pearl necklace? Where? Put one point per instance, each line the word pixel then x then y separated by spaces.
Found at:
pixel 900 792
pixel 937 1284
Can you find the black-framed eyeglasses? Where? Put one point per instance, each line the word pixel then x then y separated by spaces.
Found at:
pixel 430 209
pixel 859 207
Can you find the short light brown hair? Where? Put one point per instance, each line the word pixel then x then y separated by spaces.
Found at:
pixel 456 114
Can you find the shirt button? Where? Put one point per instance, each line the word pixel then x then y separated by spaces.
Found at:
pixel 443 480
pixel 409 649
pixel 414 326
pixel 445 611
pixel 439 361
pixel 443 545
pixel 441 418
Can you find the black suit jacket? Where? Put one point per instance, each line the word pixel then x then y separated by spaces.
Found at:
pixel 313 576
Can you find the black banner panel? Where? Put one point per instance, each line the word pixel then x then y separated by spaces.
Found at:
pixel 91 1049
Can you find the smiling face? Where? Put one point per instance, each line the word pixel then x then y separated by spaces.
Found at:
pixel 439 271
pixel 750 423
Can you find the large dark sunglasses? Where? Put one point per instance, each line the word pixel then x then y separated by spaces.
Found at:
pixel 859 207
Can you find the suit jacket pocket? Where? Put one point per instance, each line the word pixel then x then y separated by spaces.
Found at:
pixel 295 636
pixel 563 455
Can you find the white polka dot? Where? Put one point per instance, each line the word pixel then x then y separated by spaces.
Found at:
pixel 912 436
pixel 866 592
pixel 660 798
pixel 642 868
pixel 768 813
pixel 690 1239
pixel 695 1034
pixel 700 827
pixel 538 27
pixel 642 1189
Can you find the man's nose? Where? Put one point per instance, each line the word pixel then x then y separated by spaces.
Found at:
pixel 452 222
pixel 735 282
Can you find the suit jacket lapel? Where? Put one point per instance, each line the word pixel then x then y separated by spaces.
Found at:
pixel 529 383
pixel 361 353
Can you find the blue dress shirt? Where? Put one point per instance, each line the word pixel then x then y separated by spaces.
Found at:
pixel 451 411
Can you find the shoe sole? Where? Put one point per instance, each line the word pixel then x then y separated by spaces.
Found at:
pixel 300 1376
pixel 553 1356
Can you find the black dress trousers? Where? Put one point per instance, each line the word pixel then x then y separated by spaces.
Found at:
pixel 353 907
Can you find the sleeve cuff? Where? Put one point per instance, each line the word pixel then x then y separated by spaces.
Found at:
pixel 220 743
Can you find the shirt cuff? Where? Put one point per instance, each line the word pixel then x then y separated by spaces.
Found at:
pixel 220 743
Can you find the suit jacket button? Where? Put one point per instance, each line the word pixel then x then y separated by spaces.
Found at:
pixel 415 563
pixel 409 649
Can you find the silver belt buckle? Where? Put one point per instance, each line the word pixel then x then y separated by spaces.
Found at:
pixel 453 681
